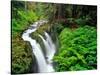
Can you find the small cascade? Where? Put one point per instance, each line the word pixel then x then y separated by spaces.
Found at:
pixel 49 46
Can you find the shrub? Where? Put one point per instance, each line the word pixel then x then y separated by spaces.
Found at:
pixel 23 20
pixel 77 49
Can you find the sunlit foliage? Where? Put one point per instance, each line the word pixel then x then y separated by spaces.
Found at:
pixel 77 49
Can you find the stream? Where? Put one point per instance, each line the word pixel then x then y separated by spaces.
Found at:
pixel 44 62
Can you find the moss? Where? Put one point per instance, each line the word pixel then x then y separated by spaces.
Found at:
pixel 21 56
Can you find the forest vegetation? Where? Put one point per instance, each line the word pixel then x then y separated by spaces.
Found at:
pixel 74 26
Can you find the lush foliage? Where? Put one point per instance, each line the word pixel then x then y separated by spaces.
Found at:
pixel 22 18
pixel 23 21
pixel 77 49
pixel 21 57
pixel 21 51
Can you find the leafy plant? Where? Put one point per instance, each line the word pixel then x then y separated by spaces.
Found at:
pixel 77 49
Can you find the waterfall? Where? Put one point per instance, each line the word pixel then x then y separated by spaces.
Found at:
pixel 44 64
pixel 49 46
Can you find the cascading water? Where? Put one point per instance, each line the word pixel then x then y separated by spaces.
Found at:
pixel 49 46
pixel 44 64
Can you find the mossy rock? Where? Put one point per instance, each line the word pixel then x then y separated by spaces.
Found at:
pixel 22 56
pixel 40 30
